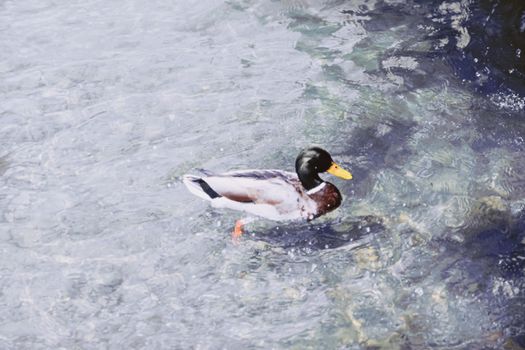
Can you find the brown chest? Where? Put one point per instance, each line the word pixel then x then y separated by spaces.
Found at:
pixel 327 199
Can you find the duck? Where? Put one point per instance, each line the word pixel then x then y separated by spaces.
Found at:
pixel 273 194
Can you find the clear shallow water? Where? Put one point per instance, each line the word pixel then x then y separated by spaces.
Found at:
pixel 106 105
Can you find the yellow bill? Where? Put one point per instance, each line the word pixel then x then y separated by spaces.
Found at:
pixel 339 172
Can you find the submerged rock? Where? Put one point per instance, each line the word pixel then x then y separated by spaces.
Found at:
pixel 489 212
pixel 516 343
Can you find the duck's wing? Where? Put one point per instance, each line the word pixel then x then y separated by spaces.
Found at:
pixel 256 186
pixel 247 186
pixel 258 174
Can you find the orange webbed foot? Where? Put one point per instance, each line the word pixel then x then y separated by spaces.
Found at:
pixel 237 231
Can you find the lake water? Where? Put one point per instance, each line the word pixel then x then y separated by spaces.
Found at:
pixel 105 104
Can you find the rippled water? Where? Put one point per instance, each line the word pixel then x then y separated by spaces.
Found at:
pixel 106 104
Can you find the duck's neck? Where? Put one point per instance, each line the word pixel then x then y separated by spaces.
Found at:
pixel 308 178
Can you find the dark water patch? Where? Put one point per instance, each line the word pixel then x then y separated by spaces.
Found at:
pixel 516 342
pixel 386 16
pixel 494 36
pixel 487 270
pixel 410 52
pixel 402 46
pixel 493 131
pixel 490 258
pixel 499 248
pixel 481 43
pixel 497 45
pixel 314 237
pixel 495 236
pixel 379 146
pixel 311 25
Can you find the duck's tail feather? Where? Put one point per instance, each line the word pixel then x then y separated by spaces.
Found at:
pixel 199 187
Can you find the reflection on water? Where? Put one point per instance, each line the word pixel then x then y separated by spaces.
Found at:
pixel 106 105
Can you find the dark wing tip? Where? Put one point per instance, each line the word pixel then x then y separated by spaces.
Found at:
pixel 207 189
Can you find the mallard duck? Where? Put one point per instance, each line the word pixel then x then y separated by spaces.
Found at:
pixel 274 194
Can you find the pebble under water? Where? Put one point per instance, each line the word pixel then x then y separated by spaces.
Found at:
pixel 105 105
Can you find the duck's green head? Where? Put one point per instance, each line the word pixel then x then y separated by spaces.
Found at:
pixel 314 160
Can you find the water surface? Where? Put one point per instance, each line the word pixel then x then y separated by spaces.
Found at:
pixel 106 105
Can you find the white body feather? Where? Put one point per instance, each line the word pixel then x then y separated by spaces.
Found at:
pixel 277 195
